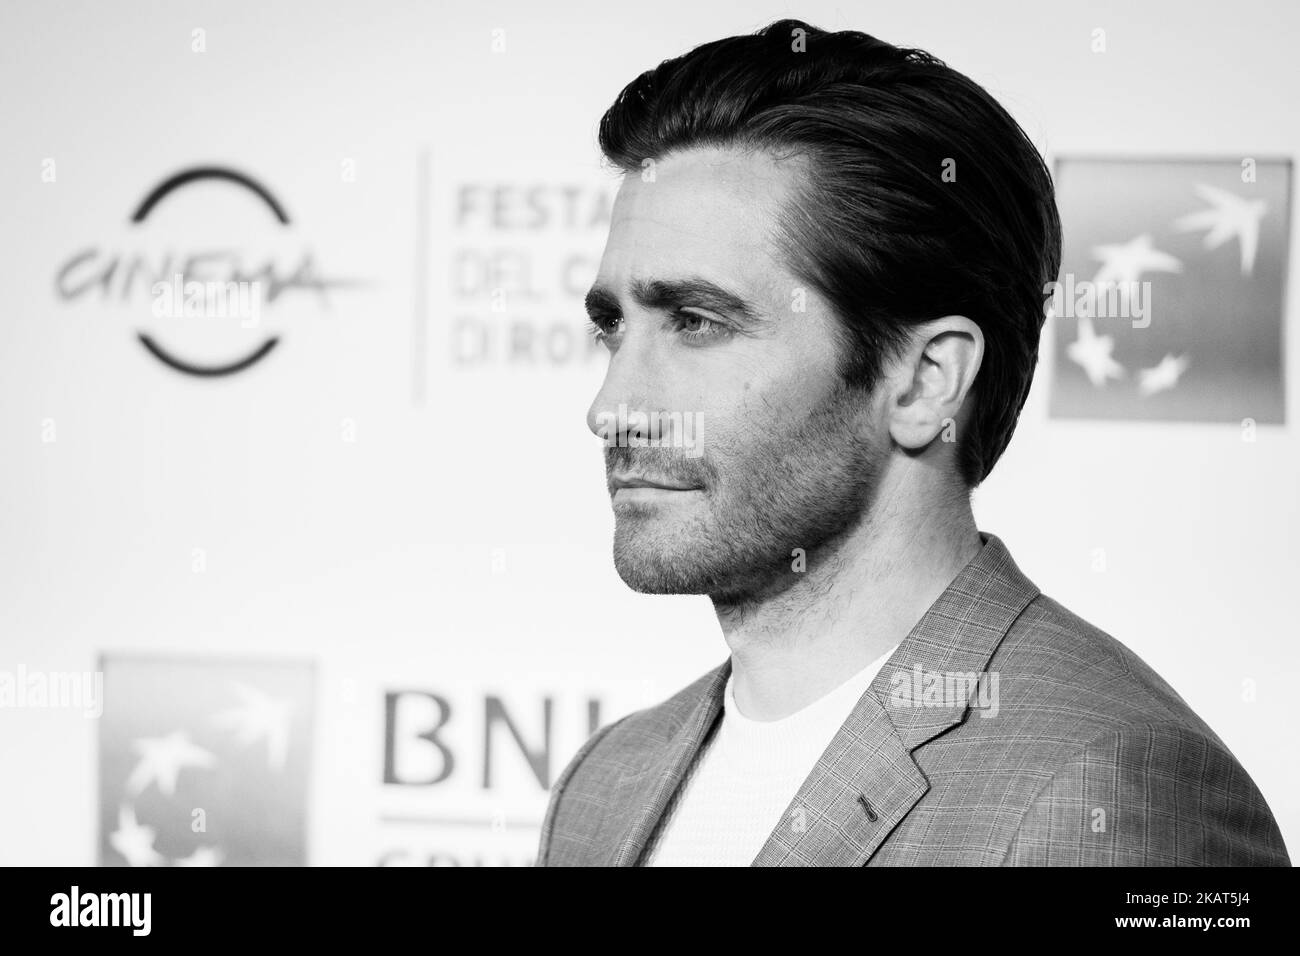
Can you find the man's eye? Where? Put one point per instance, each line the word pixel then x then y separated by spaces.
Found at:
pixel 695 327
pixel 603 326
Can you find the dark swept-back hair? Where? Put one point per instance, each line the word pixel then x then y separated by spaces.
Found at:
pixel 878 229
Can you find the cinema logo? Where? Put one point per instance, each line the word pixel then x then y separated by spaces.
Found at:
pixel 214 282
pixel 945 689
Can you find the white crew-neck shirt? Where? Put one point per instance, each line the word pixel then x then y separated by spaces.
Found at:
pixel 739 787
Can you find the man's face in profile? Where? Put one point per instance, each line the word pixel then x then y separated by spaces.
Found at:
pixel 707 326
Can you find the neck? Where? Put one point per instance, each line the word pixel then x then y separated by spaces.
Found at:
pixel 857 598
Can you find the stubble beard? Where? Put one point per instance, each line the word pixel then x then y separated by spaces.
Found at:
pixel 768 498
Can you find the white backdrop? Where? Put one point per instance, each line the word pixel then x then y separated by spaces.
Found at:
pixel 404 491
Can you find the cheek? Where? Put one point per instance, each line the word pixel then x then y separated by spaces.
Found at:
pixel 746 436
pixel 756 408
pixel 782 399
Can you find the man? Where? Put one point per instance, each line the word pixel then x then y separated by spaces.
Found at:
pixel 827 263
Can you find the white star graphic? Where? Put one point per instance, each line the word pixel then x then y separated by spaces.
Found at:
pixel 202 856
pixel 262 717
pixel 162 758
pixel 1124 263
pixel 1231 216
pixel 1164 376
pixel 133 841
pixel 1092 352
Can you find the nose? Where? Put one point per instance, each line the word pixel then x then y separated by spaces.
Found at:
pixel 616 389
pixel 631 383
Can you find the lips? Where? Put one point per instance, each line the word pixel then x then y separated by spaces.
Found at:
pixel 641 481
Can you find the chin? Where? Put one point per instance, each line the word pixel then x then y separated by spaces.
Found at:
pixel 648 573
pixel 659 560
pixel 672 560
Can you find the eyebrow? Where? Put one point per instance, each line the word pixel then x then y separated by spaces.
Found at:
pixel 667 294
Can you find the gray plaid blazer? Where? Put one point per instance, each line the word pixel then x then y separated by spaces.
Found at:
pixel 1078 754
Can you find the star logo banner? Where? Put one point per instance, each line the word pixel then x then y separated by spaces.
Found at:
pixel 204 763
pixel 1169 305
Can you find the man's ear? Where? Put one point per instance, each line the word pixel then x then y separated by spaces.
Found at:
pixel 932 378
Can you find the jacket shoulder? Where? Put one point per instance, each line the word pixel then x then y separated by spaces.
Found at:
pixel 1054 663
pixel 1127 772
pixel 1157 795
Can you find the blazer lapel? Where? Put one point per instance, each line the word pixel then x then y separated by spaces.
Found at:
pixel 639 799
pixel 866 781
pixel 862 785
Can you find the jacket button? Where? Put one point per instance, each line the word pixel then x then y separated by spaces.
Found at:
pixel 866 805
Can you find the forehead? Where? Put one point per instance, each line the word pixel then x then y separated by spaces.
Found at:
pixel 708 212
